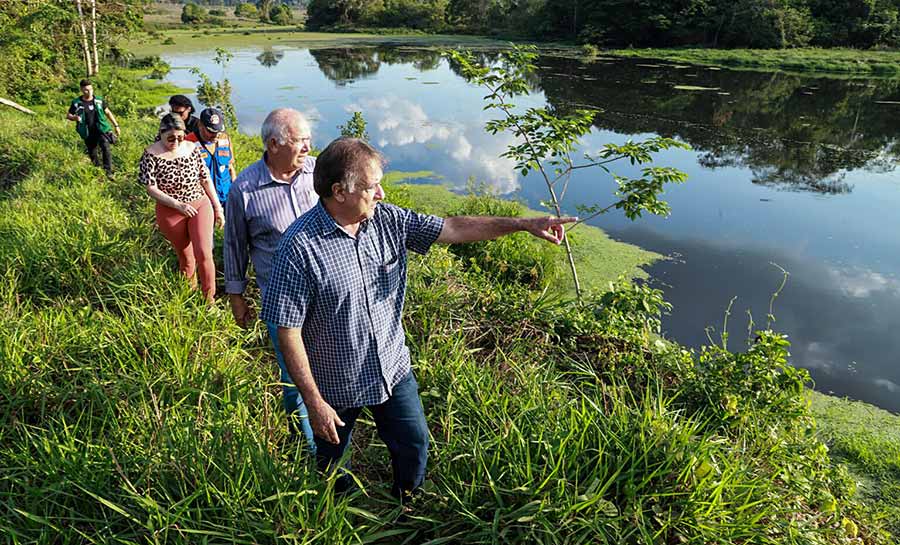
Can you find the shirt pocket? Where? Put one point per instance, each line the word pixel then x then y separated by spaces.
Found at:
pixel 388 275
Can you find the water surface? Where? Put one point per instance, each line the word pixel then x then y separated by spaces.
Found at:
pixel 786 170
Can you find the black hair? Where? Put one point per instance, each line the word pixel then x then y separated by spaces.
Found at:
pixel 183 101
pixel 84 83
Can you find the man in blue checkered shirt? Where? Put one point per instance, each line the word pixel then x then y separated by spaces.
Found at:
pixel 336 293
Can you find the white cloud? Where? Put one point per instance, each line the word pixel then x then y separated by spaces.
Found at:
pixel 862 283
pixel 399 122
pixel 890 386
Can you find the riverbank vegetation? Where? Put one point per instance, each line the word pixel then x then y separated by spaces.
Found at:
pixel 836 61
pixel 132 412
pixel 656 23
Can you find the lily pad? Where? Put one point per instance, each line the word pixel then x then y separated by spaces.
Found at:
pixel 695 88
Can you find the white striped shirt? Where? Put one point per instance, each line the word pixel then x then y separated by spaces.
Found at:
pixel 259 210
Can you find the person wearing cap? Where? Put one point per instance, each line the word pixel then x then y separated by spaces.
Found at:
pixel 264 201
pixel 215 148
pixel 182 106
pixel 186 203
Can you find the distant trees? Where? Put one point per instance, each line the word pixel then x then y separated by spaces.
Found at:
pixel 192 14
pixel 281 15
pixel 246 10
pixel 274 11
pixel 716 23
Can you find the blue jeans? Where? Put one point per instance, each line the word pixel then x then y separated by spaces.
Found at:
pixel 401 425
pixel 293 403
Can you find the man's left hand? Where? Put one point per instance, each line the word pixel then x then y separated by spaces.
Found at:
pixel 548 228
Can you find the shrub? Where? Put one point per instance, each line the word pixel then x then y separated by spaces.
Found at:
pixel 518 259
pixel 281 15
pixel 246 10
pixel 192 14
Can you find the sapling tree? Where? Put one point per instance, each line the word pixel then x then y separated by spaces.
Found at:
pixel 355 127
pixel 546 142
pixel 218 94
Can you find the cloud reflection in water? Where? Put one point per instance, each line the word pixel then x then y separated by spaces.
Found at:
pixel 403 128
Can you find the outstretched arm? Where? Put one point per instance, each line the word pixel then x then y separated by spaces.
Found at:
pixel 323 419
pixel 459 229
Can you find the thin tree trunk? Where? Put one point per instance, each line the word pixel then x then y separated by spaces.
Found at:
pixel 84 41
pixel 94 36
pixel 12 104
pixel 575 19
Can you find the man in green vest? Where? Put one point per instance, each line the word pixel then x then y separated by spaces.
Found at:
pixel 94 123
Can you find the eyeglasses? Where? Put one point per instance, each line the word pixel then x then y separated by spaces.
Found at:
pixel 175 138
pixel 180 112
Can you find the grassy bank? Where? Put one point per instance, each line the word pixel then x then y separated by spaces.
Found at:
pixel 131 412
pixel 807 61
pixel 190 39
pixel 867 439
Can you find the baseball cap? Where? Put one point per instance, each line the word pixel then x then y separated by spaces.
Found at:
pixel 213 119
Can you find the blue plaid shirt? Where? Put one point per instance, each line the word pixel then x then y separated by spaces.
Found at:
pixel 346 294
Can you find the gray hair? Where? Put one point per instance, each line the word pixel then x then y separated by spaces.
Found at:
pixel 171 122
pixel 277 123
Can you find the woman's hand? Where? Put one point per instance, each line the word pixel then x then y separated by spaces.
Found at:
pixel 220 217
pixel 188 210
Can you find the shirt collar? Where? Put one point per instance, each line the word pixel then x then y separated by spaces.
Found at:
pixel 266 178
pixel 326 224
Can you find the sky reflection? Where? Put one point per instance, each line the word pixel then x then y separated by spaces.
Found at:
pixel 778 175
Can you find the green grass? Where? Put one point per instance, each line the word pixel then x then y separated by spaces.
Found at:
pixel 143 44
pixel 130 412
pixel 807 61
pixel 599 259
pixel 867 439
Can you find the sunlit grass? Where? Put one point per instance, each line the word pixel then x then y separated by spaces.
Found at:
pixel 130 412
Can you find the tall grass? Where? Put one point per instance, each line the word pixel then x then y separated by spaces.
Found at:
pixel 130 412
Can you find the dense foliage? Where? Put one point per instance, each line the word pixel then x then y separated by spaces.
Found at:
pixel 39 44
pixel 717 23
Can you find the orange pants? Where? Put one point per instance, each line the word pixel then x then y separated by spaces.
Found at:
pixel 192 239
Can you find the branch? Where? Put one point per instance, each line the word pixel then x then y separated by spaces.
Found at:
pixel 12 104
pixel 592 216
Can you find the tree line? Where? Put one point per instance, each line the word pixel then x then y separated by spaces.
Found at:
pixel 645 23
pixel 267 11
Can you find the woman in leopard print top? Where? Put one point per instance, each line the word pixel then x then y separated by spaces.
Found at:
pixel 186 205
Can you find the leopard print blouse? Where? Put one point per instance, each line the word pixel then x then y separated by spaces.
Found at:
pixel 179 178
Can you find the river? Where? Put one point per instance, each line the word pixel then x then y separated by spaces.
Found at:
pixel 792 171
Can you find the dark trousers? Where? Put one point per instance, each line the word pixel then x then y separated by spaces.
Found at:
pixel 96 140
pixel 401 425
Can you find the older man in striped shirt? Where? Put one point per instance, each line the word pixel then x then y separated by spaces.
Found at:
pixel 263 202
